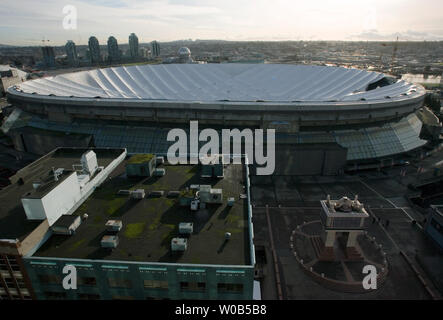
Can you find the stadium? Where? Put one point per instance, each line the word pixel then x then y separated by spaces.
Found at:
pixel 360 114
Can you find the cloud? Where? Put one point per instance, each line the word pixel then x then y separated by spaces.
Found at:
pixel 167 20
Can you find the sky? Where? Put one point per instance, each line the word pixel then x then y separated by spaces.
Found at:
pixel 28 22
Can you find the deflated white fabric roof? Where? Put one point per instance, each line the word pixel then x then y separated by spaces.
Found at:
pixel 220 82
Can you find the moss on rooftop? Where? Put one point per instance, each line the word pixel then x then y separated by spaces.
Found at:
pixel 133 230
pixel 140 158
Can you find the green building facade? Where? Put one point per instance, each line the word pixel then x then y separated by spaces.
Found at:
pixel 121 280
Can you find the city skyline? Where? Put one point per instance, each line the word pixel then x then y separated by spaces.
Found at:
pixel 26 23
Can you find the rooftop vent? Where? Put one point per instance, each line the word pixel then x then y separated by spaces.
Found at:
pixel 57 173
pixel 36 184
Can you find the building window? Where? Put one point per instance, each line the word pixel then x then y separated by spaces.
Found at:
pixel 3 266
pixel 119 283
pixel 156 284
pixel 88 296
pixel 21 283
pixel 49 279
pixel 192 286
pixel 55 295
pixel 230 288
pixel 9 282
pixel 15 267
pixel 87 281
pixel 12 260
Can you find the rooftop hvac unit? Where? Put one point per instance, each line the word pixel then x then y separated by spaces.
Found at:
pixel 156 193
pixel 114 225
pixel 179 244
pixel 174 194
pixel 109 241
pixel 89 162
pixel 185 227
pixel 209 195
pixel 66 224
pixel 159 172
pixel 138 194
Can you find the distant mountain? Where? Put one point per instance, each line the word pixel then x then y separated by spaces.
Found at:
pixel 6 46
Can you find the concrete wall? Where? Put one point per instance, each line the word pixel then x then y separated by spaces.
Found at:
pixel 55 203
pixel 296 114
pixel 34 209
pixel 62 198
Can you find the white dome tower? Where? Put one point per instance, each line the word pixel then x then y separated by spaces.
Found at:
pixel 184 55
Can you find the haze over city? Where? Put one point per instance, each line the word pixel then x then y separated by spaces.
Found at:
pixel 28 22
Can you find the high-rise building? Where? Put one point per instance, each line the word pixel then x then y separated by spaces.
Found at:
pixel 133 45
pixel 144 52
pixel 155 49
pixel 71 52
pixel 48 56
pixel 113 52
pixel 94 49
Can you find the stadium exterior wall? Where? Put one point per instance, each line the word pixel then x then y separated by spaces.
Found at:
pixel 258 114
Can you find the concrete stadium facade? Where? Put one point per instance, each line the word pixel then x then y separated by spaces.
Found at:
pixel 350 107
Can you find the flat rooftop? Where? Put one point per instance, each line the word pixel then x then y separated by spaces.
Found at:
pixel 149 224
pixel 13 221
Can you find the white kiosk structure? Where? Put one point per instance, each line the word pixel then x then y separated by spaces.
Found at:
pixel 343 218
